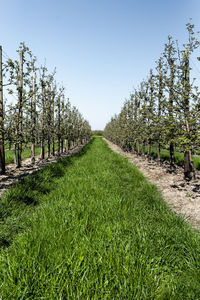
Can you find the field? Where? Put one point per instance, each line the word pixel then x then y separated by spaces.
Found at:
pixel 26 153
pixel 178 156
pixel 92 227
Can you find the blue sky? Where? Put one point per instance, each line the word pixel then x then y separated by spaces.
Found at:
pixel 101 49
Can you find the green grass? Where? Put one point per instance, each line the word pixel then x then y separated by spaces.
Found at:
pixel 9 155
pixel 6 145
pixel 26 153
pixel 178 157
pixel 92 227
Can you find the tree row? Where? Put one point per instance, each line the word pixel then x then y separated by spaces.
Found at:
pixel 164 112
pixel 40 115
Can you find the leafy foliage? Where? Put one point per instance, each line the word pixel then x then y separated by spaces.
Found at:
pixel 164 110
pixel 41 113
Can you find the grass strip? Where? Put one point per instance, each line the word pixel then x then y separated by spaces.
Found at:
pixel 98 230
pixel 26 153
pixel 178 157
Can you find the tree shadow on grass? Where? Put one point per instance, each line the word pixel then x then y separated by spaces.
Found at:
pixel 42 181
pixel 25 196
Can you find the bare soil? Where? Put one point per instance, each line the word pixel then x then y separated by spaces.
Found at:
pixel 14 174
pixel 183 197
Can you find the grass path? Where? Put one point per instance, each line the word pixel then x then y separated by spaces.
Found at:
pixel 92 227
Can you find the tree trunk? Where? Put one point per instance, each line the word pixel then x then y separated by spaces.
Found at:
pixel 69 145
pixel 62 144
pixel 138 148
pixel 158 153
pixel 65 149
pixel 143 148
pixel 133 148
pixel 2 150
pixel 171 96
pixel 188 164
pixel 48 148
pixel 149 150
pixel 58 146
pixel 33 153
pixel 160 96
pixel 20 113
pixel 53 147
pixel 42 153
pixel 171 153
pixel 15 154
pixel 33 119
pixel 59 125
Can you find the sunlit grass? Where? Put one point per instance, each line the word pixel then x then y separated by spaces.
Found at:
pixel 26 153
pixel 92 227
pixel 178 157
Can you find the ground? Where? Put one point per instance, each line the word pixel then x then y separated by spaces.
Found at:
pixel 182 196
pixel 14 174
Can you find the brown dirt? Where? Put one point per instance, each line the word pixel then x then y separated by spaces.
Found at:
pixel 14 174
pixel 183 197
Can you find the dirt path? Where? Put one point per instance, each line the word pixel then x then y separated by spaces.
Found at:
pixel 13 174
pixel 182 197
